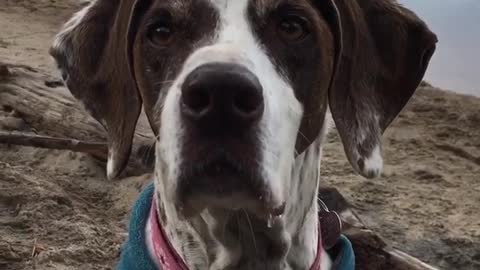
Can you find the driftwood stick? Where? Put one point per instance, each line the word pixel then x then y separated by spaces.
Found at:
pixel 404 261
pixel 96 149
pixel 44 105
pixel 50 110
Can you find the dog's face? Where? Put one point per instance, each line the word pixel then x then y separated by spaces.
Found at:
pixel 225 83
pixel 236 89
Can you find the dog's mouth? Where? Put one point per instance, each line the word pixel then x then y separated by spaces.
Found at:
pixel 223 183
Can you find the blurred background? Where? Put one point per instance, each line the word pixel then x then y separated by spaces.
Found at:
pixel 456 64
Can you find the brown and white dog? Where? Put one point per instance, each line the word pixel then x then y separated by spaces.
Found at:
pixel 237 92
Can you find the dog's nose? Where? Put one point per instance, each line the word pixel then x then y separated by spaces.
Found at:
pixel 222 92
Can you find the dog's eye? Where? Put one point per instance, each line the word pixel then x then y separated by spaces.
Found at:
pixel 161 34
pixel 293 28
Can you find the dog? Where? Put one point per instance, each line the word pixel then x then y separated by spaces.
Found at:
pixel 237 93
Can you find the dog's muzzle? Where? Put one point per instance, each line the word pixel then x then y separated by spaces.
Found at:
pixel 221 108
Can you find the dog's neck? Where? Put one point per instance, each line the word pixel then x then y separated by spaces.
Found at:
pixel 220 239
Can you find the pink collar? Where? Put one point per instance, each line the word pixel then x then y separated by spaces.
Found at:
pixel 168 258
pixel 165 254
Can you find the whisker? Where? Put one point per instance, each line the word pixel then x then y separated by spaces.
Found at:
pixel 224 230
pixel 162 83
pixel 305 137
pixel 149 154
pixel 251 230
pixel 239 230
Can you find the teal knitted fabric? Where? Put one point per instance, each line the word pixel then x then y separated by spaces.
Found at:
pixel 343 255
pixel 135 254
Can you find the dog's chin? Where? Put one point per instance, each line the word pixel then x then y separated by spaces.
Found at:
pixel 222 186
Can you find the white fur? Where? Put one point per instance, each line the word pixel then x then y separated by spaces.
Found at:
pixel 110 169
pixel 326 262
pixel 148 236
pixel 302 213
pixel 374 163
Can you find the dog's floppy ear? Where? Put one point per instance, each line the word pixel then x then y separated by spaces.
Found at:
pixel 93 53
pixel 386 50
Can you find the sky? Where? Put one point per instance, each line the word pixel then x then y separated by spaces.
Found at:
pixel 456 63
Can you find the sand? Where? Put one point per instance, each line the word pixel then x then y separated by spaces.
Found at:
pixel 58 211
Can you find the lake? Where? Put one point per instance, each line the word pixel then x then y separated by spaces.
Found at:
pixel 456 63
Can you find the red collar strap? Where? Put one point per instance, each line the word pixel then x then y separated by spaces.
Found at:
pixel 168 258
pixel 165 254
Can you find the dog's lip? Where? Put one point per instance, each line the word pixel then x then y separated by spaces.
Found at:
pixel 220 167
pixel 266 211
pixel 221 170
pixel 229 186
pixel 270 214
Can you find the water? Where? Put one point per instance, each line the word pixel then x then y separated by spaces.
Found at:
pixel 456 63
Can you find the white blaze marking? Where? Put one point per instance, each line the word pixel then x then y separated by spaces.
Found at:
pixel 373 165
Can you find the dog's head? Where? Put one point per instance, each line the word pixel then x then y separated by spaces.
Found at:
pixel 236 89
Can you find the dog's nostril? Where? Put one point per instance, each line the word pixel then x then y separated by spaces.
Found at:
pixel 197 101
pixel 247 103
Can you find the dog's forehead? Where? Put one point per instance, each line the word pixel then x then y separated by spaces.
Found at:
pixel 261 7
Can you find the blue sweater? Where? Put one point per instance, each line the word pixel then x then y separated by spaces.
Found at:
pixel 135 254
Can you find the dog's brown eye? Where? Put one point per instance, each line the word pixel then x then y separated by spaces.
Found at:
pixel 161 34
pixel 293 28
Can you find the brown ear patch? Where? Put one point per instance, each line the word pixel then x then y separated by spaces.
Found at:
pixel 91 52
pixel 386 50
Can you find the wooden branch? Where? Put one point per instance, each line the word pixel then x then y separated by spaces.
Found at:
pixel 97 149
pixel 47 106
pixel 52 111
pixel 402 260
